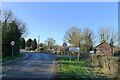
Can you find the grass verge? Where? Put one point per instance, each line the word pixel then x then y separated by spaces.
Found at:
pixel 9 58
pixel 74 70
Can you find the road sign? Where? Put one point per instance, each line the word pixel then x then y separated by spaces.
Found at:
pixel 92 52
pixel 64 45
pixel 12 43
pixel 74 49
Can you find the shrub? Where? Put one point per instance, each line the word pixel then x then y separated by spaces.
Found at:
pixel 117 53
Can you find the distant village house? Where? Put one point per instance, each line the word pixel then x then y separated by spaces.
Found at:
pixel 103 49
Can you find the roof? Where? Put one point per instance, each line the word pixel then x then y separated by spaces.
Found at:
pixel 102 43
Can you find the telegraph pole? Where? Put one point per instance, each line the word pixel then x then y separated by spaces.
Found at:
pixel 38 42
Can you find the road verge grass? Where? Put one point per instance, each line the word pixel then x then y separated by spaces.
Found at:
pixel 9 58
pixel 74 70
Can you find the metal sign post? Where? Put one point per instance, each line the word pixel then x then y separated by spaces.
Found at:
pixel 78 56
pixel 70 56
pixel 12 50
pixel 12 43
pixel 74 49
pixel 64 47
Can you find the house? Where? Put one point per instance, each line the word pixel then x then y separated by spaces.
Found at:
pixel 104 49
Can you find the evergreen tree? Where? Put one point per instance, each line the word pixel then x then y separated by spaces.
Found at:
pixel 29 42
pixel 34 44
pixel 10 33
pixel 41 45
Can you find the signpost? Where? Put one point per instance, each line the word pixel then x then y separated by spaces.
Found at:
pixel 74 49
pixel 12 43
pixel 64 47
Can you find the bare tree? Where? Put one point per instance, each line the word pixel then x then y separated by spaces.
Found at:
pixel 22 27
pixel 88 38
pixel 7 16
pixel 76 37
pixel 73 36
pixel 109 33
pixel 50 42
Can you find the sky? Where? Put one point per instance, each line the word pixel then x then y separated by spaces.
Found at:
pixel 60 0
pixel 53 19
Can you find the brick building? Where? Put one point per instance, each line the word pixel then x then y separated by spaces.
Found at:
pixel 103 49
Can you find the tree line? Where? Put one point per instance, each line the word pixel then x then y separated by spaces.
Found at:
pixel 86 38
pixel 30 44
pixel 14 29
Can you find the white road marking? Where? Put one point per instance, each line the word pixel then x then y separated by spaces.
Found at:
pixel 53 66
pixel 32 61
pixel 52 70
pixel 2 75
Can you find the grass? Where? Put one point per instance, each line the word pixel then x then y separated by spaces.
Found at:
pixel 74 70
pixel 6 59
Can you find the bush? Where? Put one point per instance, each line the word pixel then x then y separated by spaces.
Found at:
pixel 117 53
pixel 84 55
pixel 27 49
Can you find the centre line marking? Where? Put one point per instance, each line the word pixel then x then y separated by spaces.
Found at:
pixel 31 61
pixel 2 75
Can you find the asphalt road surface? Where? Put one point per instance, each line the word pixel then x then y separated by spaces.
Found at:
pixel 35 66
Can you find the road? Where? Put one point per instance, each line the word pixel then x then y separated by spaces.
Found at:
pixel 35 66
